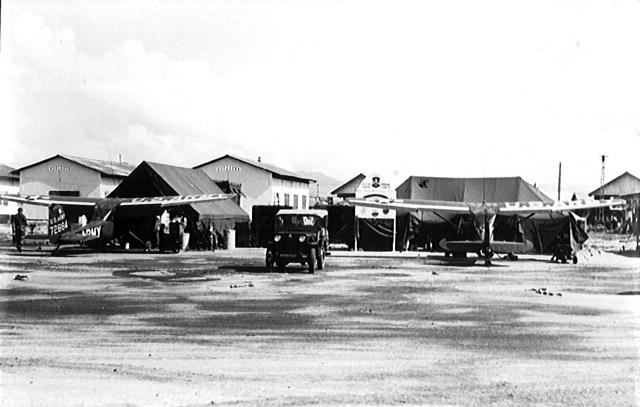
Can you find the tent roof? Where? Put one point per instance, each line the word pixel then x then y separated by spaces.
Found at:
pixel 501 189
pixel 624 184
pixel 281 172
pixel 162 179
pixel 115 169
pixel 348 189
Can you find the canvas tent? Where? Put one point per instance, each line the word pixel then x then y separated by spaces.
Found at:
pixel 426 229
pixel 153 179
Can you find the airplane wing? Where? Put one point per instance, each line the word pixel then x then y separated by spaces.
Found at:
pixel 45 200
pixel 414 205
pixel 508 208
pixel 165 201
pixel 515 208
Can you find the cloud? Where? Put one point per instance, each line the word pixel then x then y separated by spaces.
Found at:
pixel 77 97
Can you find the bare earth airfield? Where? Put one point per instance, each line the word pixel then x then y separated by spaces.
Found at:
pixel 202 328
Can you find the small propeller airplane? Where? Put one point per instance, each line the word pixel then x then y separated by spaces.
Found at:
pixel 100 229
pixel 484 215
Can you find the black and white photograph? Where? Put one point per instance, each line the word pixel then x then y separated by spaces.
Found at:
pixel 319 203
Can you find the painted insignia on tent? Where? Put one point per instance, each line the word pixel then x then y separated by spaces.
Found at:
pixel 423 183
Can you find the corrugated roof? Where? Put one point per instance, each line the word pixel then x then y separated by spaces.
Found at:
pixel 262 165
pixel 155 178
pixel 116 169
pixel 121 169
pixel 624 184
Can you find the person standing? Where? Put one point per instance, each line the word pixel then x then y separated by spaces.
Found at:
pixel 19 228
pixel 213 237
pixel 157 230
pixel 183 233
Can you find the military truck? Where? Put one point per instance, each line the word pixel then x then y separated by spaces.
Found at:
pixel 299 236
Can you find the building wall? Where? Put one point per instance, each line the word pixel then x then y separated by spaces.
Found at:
pixel 8 186
pixel 58 174
pixel 256 182
pixel 293 190
pixel 108 184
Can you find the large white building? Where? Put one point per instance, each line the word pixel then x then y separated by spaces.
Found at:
pixel 9 184
pixel 262 183
pixel 64 175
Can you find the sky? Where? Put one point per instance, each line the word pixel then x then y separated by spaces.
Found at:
pixel 459 88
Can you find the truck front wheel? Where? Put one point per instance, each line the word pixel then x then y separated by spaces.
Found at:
pixel 311 260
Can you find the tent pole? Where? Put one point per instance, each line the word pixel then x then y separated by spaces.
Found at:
pixel 393 244
pixel 355 235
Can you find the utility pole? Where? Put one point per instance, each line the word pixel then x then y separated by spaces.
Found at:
pixel 559 179
pixel 603 157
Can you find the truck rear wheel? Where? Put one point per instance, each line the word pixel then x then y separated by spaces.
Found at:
pixel 311 260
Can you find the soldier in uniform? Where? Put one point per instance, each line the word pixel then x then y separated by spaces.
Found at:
pixel 19 228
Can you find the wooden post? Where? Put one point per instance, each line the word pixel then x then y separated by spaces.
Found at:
pixel 559 179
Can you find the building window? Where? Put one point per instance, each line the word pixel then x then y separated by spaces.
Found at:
pixel 304 202
pixel 295 201
pixel 286 199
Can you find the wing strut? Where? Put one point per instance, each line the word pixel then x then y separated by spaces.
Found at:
pixel 446 220
pixel 524 219
pixel 477 222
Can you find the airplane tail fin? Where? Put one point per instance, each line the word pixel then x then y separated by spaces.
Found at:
pixel 57 222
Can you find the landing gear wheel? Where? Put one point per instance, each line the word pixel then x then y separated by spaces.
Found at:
pixel 321 259
pixel 487 262
pixel 575 259
pixel 311 260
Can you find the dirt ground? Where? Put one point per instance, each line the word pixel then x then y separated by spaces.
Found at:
pixel 201 329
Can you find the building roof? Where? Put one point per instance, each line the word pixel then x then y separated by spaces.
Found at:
pixel 495 189
pixel 624 184
pixel 275 170
pixel 152 179
pixel 348 189
pixel 109 168
pixel 6 172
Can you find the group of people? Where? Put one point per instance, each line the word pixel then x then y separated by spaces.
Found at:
pixel 170 230
pixel 171 233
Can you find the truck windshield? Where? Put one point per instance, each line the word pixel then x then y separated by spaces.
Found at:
pixel 296 221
